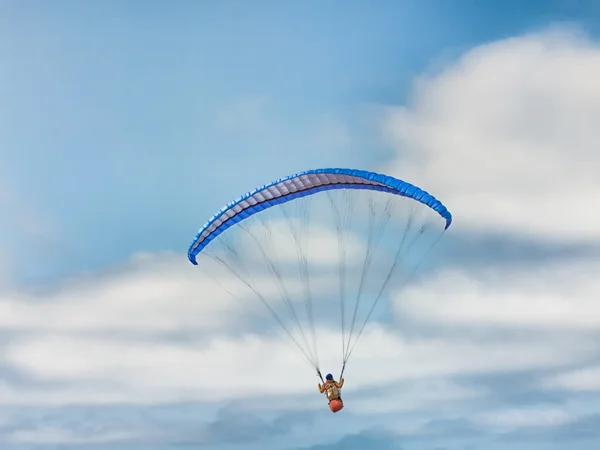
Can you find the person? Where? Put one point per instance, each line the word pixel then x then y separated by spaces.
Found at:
pixel 332 388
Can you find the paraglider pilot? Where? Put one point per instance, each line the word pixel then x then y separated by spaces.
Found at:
pixel 332 388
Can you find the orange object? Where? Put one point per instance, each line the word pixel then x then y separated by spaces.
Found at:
pixel 336 405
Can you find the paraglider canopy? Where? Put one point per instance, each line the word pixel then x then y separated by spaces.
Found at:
pixel 381 229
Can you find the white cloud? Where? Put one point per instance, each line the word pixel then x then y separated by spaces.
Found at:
pixel 116 370
pixel 104 367
pixel 418 395
pixel 507 136
pixel 153 293
pixel 525 418
pixel 67 335
pixel 580 380
pixel 555 297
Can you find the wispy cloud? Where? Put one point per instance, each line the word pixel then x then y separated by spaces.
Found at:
pixel 585 379
pixel 559 297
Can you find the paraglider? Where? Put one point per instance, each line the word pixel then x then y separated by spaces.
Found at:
pixel 297 240
pixel 332 388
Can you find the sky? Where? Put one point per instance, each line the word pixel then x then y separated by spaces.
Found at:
pixel 124 126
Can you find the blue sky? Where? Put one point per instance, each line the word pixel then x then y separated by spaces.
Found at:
pixel 125 125
pixel 119 104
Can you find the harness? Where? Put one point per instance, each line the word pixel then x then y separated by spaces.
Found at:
pixel 332 391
